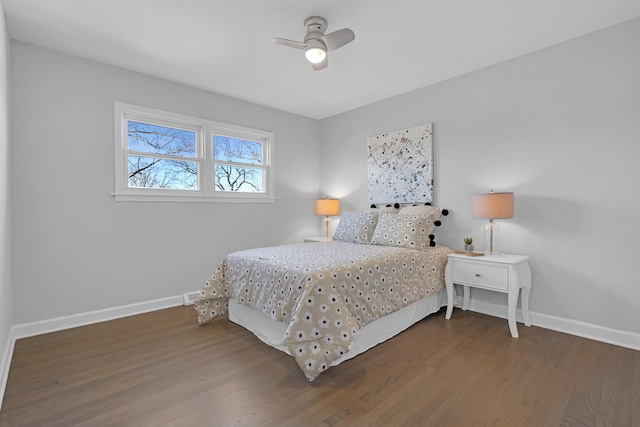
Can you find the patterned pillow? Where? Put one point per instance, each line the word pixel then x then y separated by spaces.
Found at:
pixel 413 210
pixel 407 231
pixel 356 227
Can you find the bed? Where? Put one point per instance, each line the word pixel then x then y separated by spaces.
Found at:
pixel 326 302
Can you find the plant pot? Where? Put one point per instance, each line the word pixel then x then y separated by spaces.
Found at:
pixel 468 248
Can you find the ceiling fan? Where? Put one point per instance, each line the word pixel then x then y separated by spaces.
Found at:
pixel 316 43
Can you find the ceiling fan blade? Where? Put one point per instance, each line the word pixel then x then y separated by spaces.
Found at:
pixel 321 65
pixel 290 43
pixel 338 38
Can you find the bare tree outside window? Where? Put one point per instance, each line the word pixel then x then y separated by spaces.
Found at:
pixel 237 164
pixel 166 170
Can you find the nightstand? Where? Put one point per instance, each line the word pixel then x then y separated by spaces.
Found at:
pixel 316 239
pixel 501 273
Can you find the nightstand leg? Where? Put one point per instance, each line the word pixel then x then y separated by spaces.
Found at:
pixel 465 298
pixel 511 311
pixel 451 290
pixel 451 295
pixel 525 305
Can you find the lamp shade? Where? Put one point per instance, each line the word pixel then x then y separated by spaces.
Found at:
pixel 327 206
pixel 492 205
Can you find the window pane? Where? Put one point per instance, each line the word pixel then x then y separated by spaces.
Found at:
pixel 150 138
pixel 149 172
pixel 235 178
pixel 237 150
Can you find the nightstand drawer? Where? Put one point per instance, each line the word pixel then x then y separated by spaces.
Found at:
pixel 488 276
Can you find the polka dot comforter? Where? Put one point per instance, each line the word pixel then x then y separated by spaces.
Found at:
pixel 325 292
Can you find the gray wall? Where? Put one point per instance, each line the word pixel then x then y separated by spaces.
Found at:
pixel 75 249
pixel 6 312
pixel 560 128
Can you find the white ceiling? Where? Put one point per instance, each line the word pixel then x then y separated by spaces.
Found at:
pixel 224 46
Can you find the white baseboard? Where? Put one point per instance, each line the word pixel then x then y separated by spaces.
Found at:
pixel 5 363
pixel 25 330
pixel 572 327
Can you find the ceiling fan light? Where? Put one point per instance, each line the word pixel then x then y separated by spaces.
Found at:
pixel 315 54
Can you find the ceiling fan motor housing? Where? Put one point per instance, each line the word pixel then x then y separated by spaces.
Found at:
pixel 315 23
pixel 315 27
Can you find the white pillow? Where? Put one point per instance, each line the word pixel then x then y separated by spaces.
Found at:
pixel 407 231
pixel 356 227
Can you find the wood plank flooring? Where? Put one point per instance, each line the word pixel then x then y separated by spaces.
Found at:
pixel 162 369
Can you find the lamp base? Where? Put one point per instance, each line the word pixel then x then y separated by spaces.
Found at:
pixel 491 238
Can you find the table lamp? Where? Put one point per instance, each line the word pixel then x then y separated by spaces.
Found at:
pixel 327 207
pixel 492 206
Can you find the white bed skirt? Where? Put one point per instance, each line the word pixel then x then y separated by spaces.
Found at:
pixel 272 332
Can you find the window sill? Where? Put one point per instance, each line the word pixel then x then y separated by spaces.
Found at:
pixel 236 198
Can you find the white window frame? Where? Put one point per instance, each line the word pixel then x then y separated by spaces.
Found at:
pixel 205 129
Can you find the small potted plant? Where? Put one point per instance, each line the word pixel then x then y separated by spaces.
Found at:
pixel 468 244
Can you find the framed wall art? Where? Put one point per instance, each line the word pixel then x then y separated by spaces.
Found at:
pixel 400 166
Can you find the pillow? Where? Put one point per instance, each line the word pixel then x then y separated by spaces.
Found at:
pixel 407 231
pixel 356 227
pixel 424 209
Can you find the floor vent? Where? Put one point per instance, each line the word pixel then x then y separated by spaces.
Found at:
pixel 190 297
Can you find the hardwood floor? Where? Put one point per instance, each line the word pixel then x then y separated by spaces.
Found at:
pixel 162 369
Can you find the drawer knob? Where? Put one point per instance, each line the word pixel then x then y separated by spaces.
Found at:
pixel 477 274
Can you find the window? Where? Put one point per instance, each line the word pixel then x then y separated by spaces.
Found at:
pixel 239 164
pixel 165 156
pixel 161 157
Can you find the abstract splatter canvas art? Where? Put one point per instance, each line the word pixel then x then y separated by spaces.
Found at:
pixel 400 166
